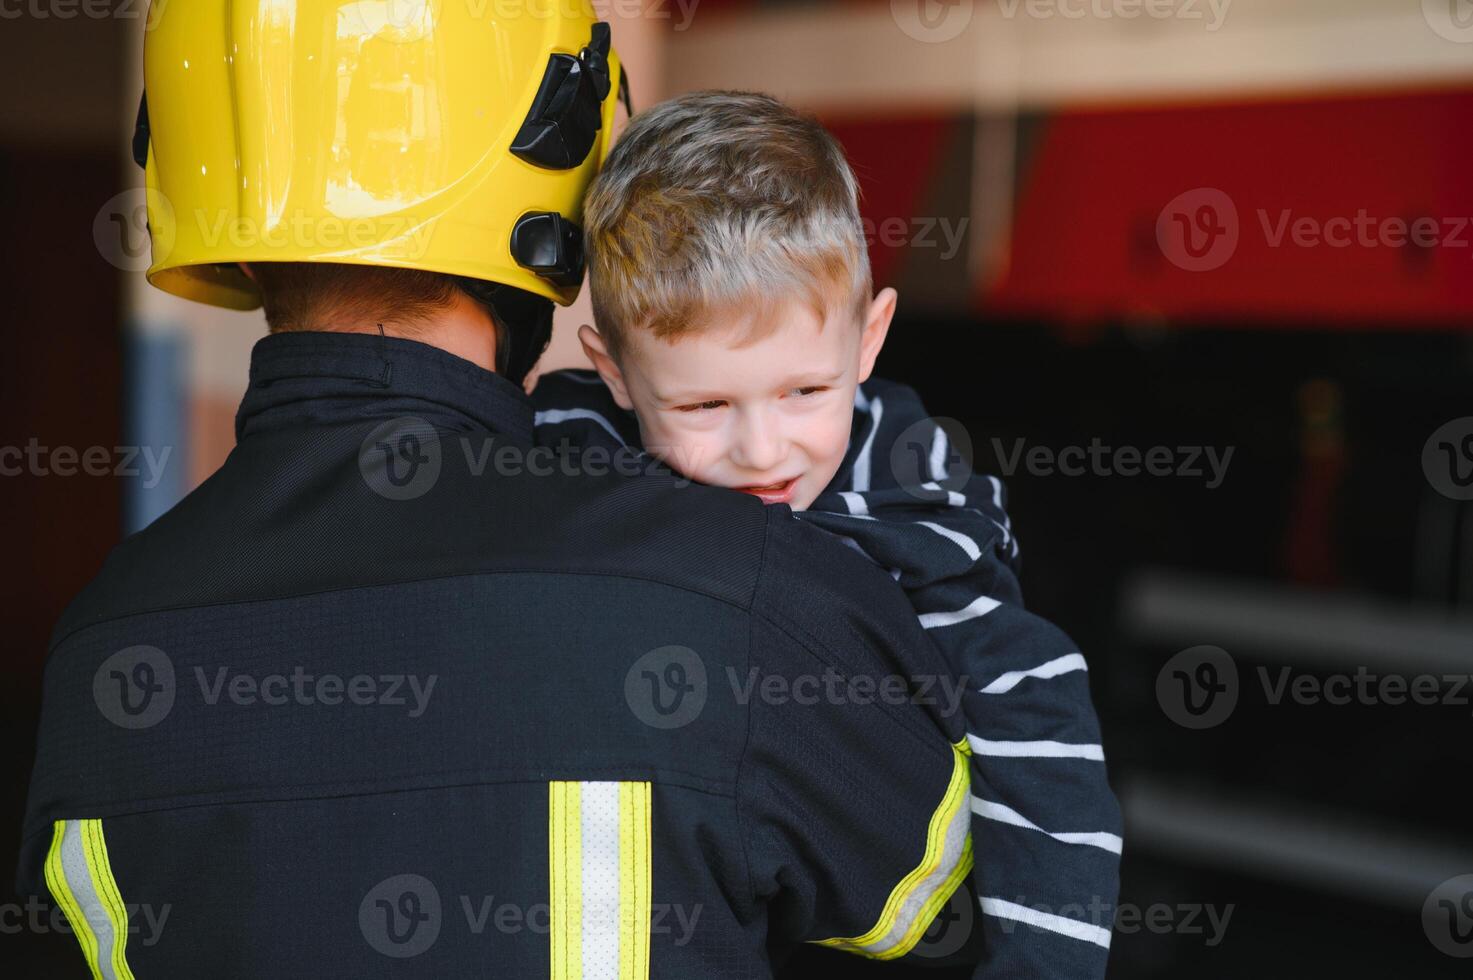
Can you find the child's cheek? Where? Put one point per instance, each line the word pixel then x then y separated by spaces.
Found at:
pixel 836 436
pixel 689 454
pixel 827 443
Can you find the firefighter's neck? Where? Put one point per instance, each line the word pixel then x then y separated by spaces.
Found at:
pixel 464 329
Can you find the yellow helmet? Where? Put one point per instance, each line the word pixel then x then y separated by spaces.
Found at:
pixel 452 136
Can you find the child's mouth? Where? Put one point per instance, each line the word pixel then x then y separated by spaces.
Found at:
pixel 772 493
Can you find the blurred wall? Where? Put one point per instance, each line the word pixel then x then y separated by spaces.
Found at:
pixel 62 368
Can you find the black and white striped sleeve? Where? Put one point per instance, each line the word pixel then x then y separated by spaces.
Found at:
pixel 574 409
pixel 1045 823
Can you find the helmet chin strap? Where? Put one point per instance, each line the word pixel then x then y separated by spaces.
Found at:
pixel 523 321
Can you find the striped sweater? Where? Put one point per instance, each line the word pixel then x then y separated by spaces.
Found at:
pixel 1045 823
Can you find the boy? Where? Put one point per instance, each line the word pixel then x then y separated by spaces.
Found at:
pixel 736 334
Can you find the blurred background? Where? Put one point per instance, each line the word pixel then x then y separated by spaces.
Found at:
pixel 1196 276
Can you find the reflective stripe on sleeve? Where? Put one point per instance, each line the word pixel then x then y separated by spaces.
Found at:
pixel 914 902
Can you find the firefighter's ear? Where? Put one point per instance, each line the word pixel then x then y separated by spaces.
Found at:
pixel 604 363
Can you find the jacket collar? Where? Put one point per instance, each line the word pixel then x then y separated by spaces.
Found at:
pixel 317 378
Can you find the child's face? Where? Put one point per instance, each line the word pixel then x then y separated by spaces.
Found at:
pixel 769 417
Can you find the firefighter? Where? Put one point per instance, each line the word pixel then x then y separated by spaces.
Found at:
pixel 382 696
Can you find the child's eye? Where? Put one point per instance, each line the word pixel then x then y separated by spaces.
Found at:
pixel 701 406
pixel 810 390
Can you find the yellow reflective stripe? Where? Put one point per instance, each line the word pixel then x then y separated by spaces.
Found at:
pixel 106 887
pixel 634 881
pixel 565 862
pixel 56 882
pixel 926 888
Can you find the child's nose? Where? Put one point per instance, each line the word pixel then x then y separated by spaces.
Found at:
pixel 760 446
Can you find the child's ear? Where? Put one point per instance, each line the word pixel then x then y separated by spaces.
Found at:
pixel 604 364
pixel 876 326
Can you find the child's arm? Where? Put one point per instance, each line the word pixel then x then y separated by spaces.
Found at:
pixel 1046 826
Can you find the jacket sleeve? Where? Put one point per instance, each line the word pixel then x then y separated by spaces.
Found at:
pixel 852 790
pixel 1045 823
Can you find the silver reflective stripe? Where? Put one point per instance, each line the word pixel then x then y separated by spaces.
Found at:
pixel 953 853
pixel 600 821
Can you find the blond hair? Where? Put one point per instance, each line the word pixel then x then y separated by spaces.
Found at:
pixel 721 202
